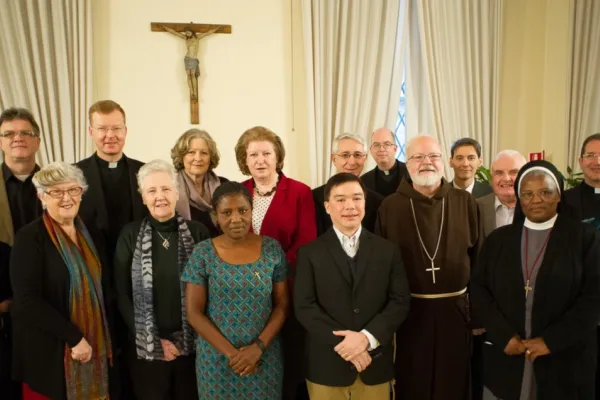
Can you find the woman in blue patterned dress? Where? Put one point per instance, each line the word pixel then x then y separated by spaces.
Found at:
pixel 237 300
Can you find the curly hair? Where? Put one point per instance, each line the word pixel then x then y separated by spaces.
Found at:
pixel 258 134
pixel 183 144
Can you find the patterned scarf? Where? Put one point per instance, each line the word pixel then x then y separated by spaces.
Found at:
pixel 147 341
pixel 89 380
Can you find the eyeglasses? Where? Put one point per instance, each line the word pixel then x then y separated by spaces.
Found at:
pixel 545 195
pixel 59 194
pixel 12 134
pixel 105 129
pixel 433 157
pixel 385 145
pixel 591 156
pixel 357 155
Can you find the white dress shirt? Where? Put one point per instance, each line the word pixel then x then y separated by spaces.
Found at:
pixel 350 245
pixel 504 214
pixel 468 188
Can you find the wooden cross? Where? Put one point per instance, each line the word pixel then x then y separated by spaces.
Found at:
pixel 432 270
pixel 191 33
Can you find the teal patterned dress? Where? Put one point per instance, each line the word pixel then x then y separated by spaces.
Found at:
pixel 239 304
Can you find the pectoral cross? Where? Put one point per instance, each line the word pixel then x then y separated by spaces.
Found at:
pixel 257 274
pixel 432 269
pixel 527 288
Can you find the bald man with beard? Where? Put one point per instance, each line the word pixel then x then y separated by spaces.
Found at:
pixel 437 229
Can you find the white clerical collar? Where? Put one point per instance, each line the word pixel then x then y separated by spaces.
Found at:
pixel 542 226
pixel 341 235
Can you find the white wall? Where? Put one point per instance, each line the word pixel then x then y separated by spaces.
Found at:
pixel 246 77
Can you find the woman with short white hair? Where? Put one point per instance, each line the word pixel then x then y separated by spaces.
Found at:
pixel 149 260
pixel 61 344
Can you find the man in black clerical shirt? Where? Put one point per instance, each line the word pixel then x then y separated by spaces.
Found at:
pixel 348 155
pixel 583 201
pixel 112 199
pixel 386 176
pixel 465 160
pixel 19 205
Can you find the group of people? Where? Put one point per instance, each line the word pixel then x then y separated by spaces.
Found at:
pixel 163 280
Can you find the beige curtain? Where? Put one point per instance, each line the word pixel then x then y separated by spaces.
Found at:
pixel 46 64
pixel 584 102
pixel 354 63
pixel 453 71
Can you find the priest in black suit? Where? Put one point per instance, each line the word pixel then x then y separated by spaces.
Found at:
pixel 351 295
pixel 112 199
pixel 348 155
pixel 465 159
pixel 389 172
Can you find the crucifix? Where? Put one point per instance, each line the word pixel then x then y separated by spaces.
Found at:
pixel 432 270
pixel 192 34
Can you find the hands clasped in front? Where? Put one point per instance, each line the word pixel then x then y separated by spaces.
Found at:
pixel 354 349
pixel 532 348
pixel 245 360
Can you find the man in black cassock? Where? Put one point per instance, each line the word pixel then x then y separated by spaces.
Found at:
pixel 436 228
pixel 584 201
pixel 112 199
pixel 389 172
pixel 348 155
pixel 19 205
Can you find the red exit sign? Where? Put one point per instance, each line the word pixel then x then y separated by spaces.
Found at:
pixel 537 156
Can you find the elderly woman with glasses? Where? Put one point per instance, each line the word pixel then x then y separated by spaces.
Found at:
pixel 536 291
pixel 62 347
pixel 195 156
pixel 149 260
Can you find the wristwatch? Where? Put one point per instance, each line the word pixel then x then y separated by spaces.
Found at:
pixel 260 345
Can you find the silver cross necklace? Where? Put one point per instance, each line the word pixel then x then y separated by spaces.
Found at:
pixel 437 247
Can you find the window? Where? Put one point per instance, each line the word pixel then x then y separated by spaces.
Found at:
pixel 400 131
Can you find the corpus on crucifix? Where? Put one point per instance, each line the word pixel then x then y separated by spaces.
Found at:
pixel 192 34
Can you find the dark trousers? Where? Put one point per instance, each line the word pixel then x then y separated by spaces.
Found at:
pixel 164 380
pixel 598 365
pixel 477 368
pixel 294 358
pixel 9 389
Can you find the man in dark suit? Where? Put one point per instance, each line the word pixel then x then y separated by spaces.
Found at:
pixel 351 295
pixel 386 176
pixel 465 159
pixel 112 199
pixel 348 155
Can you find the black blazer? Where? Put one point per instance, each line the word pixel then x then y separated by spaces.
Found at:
pixel 479 189
pixel 93 208
pixel 40 309
pixel 370 178
pixel 372 202
pixel 328 298
pixel 565 314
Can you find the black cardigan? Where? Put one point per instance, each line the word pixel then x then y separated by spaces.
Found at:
pixel 40 309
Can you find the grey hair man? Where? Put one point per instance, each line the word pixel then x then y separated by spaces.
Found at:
pixel 348 154
pixel 386 176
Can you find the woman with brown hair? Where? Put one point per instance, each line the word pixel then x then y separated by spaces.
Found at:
pixel 195 156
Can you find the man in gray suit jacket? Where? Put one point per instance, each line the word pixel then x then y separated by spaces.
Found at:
pixel 465 159
pixel 497 208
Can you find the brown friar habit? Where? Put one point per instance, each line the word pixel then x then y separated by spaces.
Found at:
pixel 433 343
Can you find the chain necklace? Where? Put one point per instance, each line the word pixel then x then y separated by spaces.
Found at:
pixel 165 242
pixel 529 273
pixel 437 247
pixel 270 192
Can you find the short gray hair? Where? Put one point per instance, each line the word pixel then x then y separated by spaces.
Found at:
pixel 56 173
pixel 336 142
pixel 156 166
pixel 509 153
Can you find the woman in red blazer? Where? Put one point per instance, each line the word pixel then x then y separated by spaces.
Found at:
pixel 284 210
